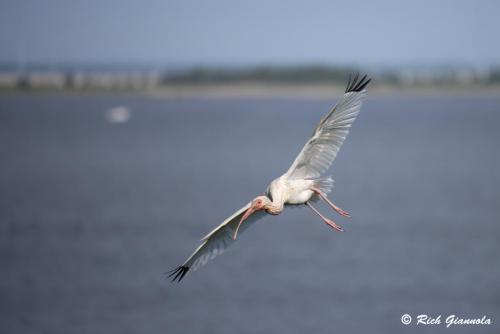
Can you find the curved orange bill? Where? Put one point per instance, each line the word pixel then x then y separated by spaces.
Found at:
pixel 245 216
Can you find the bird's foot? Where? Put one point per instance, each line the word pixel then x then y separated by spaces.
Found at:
pixel 327 221
pixel 342 212
pixel 334 225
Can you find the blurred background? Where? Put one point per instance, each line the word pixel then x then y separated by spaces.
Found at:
pixel 130 129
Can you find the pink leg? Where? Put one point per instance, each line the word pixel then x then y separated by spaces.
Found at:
pixel 326 220
pixel 334 207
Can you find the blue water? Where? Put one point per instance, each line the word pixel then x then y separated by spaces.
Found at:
pixel 92 214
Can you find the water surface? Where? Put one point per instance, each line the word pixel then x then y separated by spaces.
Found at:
pixel 92 213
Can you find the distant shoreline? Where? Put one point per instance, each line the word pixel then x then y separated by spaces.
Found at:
pixel 270 90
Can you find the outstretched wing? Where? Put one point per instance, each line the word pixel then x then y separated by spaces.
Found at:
pixel 215 242
pixel 321 149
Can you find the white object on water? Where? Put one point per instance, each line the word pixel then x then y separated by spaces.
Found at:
pixel 117 115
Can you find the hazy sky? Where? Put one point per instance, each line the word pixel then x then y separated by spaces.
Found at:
pixel 250 32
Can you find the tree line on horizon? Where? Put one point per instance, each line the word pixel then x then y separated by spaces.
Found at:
pixel 102 77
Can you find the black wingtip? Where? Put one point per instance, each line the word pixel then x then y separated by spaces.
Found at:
pixel 357 85
pixel 179 273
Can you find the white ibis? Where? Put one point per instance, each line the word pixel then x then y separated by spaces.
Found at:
pixel 302 184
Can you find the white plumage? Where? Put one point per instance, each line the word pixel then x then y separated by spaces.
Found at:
pixel 301 184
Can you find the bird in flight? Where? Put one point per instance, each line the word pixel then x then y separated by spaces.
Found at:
pixel 302 184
